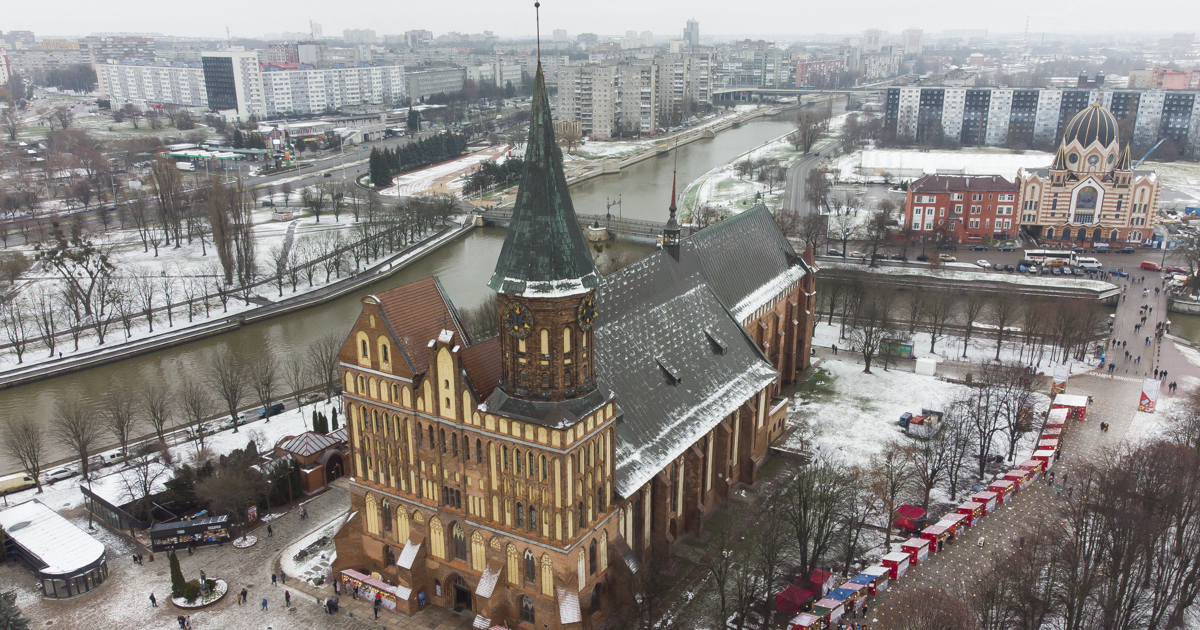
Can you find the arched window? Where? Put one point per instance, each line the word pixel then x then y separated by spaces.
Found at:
pixel 385 353
pixel 504 456
pixel 432 442
pixel 527 609
pixel 532 519
pixel 389 555
pixel 517 459
pixel 592 558
pixel 581 521
pixel 454 444
pixel 520 516
pixel 460 542
pixel 420 435
pixel 479 450
pixel 545 469
pixel 442 432
pixel 1096 234
pixel 545 341
pixel 532 470
pixel 566 340
pixel 1050 233
pixel 365 353
pixel 600 498
pixel 387 515
pixel 530 567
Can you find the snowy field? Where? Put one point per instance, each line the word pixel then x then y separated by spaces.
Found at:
pixel 870 165
pixel 854 415
pixel 111 482
pixel 428 180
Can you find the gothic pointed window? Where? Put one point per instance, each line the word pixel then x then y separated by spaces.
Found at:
pixel 592 558
pixel 517 459
pixel 530 567
pixel 527 614
pixel 387 516
pixel 520 517
pixel 479 450
pixel 532 519
pixel 460 542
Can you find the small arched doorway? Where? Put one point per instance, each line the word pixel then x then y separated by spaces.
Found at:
pixel 460 592
pixel 335 465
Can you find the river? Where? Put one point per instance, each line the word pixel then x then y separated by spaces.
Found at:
pixel 463 266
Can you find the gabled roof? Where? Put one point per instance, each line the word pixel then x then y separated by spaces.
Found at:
pixel 482 365
pixel 309 443
pixel 544 252
pixel 962 183
pixel 675 358
pixel 416 313
pixel 741 255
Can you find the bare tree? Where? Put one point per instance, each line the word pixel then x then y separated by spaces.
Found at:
pixel 226 376
pixel 872 322
pixel 939 312
pixel 77 429
pixel 972 305
pixel 116 406
pixel 139 479
pixel 297 378
pixel 890 483
pixel 46 316
pixel 926 458
pixel 1004 311
pixel 23 444
pixel 816 495
pixel 264 380
pixel 809 127
pixel 322 358
pixel 196 404
pixel 158 404
pixel 17 326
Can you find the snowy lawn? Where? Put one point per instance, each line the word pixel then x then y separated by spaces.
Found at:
pixel 112 484
pixel 320 556
pixel 871 165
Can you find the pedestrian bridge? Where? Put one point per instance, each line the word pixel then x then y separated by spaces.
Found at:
pixel 635 229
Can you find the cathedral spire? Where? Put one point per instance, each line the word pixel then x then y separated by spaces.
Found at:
pixel 671 231
pixel 545 251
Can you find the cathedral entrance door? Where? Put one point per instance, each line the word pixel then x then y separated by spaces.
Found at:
pixel 462 594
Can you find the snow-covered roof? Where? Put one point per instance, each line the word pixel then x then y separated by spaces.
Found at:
pixel 1070 400
pixel 487 581
pixel 309 443
pixel 568 606
pixel 63 547
pixel 408 555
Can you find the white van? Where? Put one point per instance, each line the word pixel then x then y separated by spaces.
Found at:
pixel 1089 263
pixel 16 483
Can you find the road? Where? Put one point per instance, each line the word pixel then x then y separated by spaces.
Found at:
pixel 1131 263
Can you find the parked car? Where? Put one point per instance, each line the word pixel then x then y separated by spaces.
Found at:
pixel 16 483
pixel 1009 268
pixel 901 257
pixel 1118 272
pixel 835 252
pixel 1056 271
pixel 947 258
pixel 998 267
pixel 1176 270
pixel 922 258
pixel 1090 263
pixel 979 248
pixel 268 203
pixel 1022 269
pixel 948 246
pixel 327 175
pixel 983 263
pixel 276 409
pixel 1006 248
pixel 58 474
pixel 879 256
pixel 856 255
pixel 1125 250
pixel 1151 266
pixel 1033 269
pixel 1055 262
pixel 1079 250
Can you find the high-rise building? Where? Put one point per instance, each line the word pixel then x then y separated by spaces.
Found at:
pixel 560 35
pixel 233 82
pixel 144 84
pixel 872 40
pixel 418 38
pixel 358 36
pixel 101 49
pixel 912 41
pixel 422 83
pixel 279 53
pixel 691 34
pixel 290 90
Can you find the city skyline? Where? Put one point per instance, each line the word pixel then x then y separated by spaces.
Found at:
pixel 513 19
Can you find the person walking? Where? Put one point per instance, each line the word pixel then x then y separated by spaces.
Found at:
pixel 287 598
pixel 377 606
pixel 282 576
pixel 153 602
pixel 179 620
pixel 274 578
pixel 270 532
pixel 264 604
pixel 243 595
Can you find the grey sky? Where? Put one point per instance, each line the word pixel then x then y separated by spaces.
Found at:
pixel 508 18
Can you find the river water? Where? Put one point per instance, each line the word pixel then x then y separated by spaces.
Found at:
pixel 463 266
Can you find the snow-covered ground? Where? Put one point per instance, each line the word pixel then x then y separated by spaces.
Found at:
pixel 439 176
pixel 871 165
pixel 854 415
pixel 111 481
pixel 317 563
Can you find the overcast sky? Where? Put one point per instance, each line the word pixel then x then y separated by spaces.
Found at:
pixel 511 18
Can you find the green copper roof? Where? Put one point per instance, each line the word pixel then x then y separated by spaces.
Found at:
pixel 544 252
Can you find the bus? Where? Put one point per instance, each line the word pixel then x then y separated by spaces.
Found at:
pixel 1042 256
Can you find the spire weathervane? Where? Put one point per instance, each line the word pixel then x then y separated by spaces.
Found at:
pixel 537 18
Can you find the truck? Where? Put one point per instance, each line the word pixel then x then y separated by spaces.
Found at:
pixel 185 166
pixel 925 425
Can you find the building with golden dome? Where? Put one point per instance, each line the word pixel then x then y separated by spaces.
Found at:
pixel 1090 193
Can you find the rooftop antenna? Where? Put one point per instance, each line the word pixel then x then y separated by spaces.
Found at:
pixel 537 18
pixel 228 39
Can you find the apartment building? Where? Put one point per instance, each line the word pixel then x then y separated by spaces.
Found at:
pixel 819 73
pixel 101 49
pixel 961 208
pixel 421 83
pixel 233 81
pixel 144 83
pixel 289 90
pixel 1036 116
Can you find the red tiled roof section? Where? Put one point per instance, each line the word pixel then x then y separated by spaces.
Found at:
pixel 417 312
pixel 482 362
pixel 962 183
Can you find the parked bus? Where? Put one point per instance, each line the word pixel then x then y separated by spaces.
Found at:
pixel 1042 256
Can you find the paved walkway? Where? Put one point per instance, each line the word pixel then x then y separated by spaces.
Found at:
pixel 123 601
pixel 961 565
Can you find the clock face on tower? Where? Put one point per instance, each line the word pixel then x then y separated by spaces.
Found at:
pixel 518 321
pixel 587 312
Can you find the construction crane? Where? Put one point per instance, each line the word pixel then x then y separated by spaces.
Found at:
pixel 1139 162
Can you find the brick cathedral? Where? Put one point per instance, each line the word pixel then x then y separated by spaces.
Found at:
pixel 530 477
